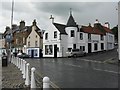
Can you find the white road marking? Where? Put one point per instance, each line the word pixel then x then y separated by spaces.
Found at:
pixel 91 61
pixel 106 71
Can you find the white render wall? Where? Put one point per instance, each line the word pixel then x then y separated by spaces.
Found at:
pixel 109 41
pixel 52 41
pixel 71 40
pixel 33 38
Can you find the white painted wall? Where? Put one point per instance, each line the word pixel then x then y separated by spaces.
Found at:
pixel 32 38
pixel 52 41
pixel 109 41
pixel 71 40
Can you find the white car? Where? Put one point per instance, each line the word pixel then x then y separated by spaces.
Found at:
pixel 75 53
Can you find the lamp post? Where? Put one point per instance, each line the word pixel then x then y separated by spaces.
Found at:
pixel 119 30
pixel 10 34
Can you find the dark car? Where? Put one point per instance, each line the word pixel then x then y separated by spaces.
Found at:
pixel 23 55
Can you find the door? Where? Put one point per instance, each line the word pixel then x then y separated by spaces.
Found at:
pixel 40 54
pixel 74 46
pixel 55 51
pixel 32 53
pixel 89 47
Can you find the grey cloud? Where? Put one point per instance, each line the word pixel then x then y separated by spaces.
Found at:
pixel 83 12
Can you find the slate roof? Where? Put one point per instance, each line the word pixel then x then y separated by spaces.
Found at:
pixel 71 22
pixel 60 27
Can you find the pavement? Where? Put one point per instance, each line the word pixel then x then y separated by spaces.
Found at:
pixel 12 77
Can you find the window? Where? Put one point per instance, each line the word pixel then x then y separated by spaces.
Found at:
pixel 46 36
pixel 29 52
pixel 81 36
pixel 48 49
pixel 36 43
pixel 55 34
pixel 101 37
pixel 29 37
pixel 82 48
pixel 102 46
pixel 29 44
pixel 57 49
pixel 23 40
pixel 36 36
pixel 72 33
pixel 95 46
pixel 89 36
pixel 74 46
pixel 35 52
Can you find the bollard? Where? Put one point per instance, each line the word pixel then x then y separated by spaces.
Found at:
pixel 24 70
pixel 14 60
pixel 11 59
pixel 17 62
pixel 20 64
pixel 33 83
pixel 23 66
pixel 46 83
pixel 27 80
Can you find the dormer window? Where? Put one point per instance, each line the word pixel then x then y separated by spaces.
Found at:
pixel 72 33
pixel 55 34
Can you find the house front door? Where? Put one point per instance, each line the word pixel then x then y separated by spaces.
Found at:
pixel 89 47
pixel 55 51
pixel 32 53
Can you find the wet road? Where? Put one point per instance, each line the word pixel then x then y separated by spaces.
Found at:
pixel 77 72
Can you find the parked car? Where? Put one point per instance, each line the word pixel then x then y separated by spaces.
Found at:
pixel 23 55
pixel 75 53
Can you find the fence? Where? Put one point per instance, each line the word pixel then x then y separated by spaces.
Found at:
pixel 32 78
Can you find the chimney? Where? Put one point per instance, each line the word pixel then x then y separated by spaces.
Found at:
pixel 89 25
pixel 34 22
pixel 96 21
pixel 7 28
pixel 107 24
pixel 22 24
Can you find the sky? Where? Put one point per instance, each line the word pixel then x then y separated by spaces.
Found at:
pixel 84 12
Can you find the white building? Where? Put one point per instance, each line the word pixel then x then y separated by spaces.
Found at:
pixel 57 41
pixel 34 42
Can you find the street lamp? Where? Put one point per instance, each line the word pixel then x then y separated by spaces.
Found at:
pixel 119 30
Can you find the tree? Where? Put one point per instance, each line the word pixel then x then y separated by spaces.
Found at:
pixel 115 32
